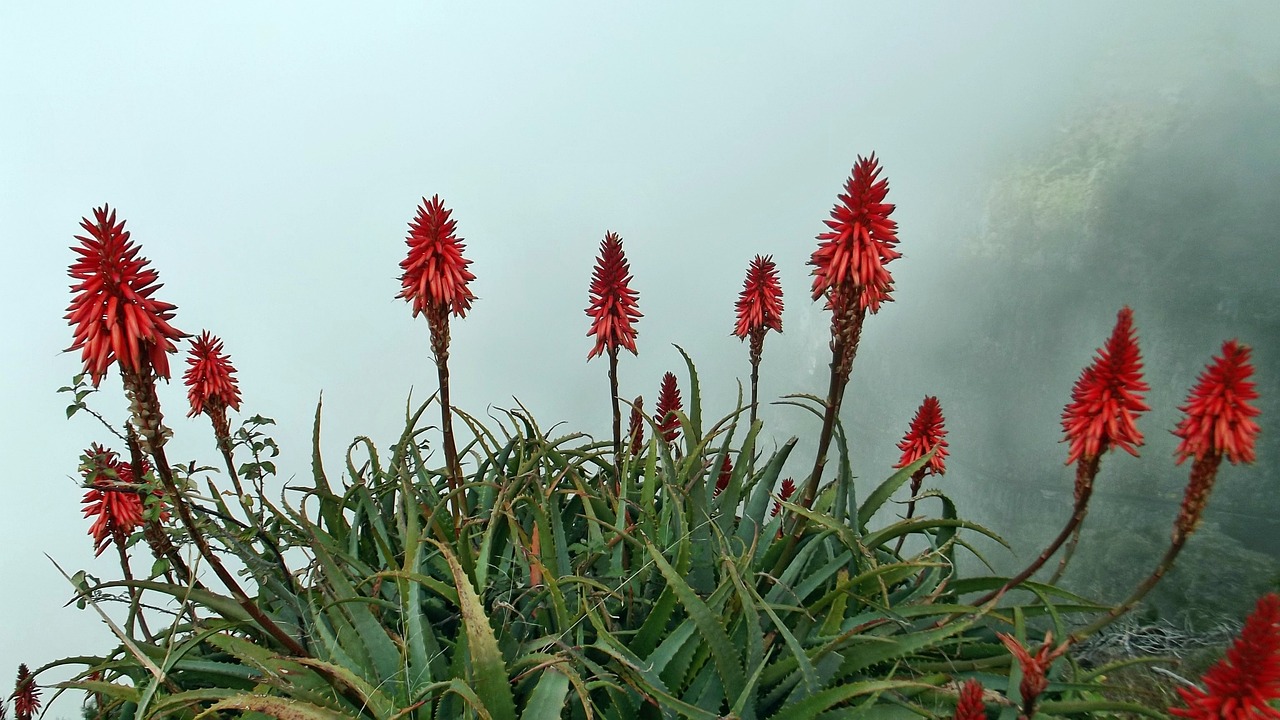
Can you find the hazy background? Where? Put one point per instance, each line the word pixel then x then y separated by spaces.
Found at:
pixel 1049 164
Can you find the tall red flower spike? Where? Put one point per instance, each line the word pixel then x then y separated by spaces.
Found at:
pixel 1245 682
pixel 613 307
pixel 210 377
pixel 1219 417
pixel 726 474
pixel 759 306
pixel 969 706
pixel 435 273
pixel 1035 668
pixel 116 512
pixel 635 426
pixel 788 489
pixel 112 309
pixel 668 403
pixel 26 695
pixel 853 254
pixel 926 433
pixel 1107 397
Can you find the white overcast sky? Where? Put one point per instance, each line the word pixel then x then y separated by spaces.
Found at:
pixel 268 157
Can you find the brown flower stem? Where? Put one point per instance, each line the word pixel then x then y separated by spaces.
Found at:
pixel 835 393
pixel 1165 564
pixel 135 594
pixel 757 350
pixel 1086 470
pixel 916 480
pixel 438 321
pixel 197 536
pixel 617 419
pixel 159 542
pixel 1067 554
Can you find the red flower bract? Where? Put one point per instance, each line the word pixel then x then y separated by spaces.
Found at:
pixel 435 273
pixel 210 377
pixel 969 706
pixel 1243 683
pixel 853 254
pixel 26 696
pixel 759 306
pixel 1219 417
pixel 726 474
pixel 1107 397
pixel 635 425
pixel 668 403
pixel 1035 668
pixel 613 308
pixel 926 433
pixel 116 512
pixel 788 489
pixel 112 311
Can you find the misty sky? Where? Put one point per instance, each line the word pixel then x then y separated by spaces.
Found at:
pixel 268 158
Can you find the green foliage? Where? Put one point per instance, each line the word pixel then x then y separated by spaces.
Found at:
pixel 564 591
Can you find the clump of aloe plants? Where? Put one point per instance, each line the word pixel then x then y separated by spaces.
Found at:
pixel 497 571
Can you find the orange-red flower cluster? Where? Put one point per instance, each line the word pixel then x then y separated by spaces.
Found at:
pixel 759 306
pixel 117 512
pixel 969 706
pixel 112 309
pixel 852 255
pixel 1246 681
pixel 1219 412
pixel 726 474
pixel 668 403
pixel 1107 397
pixel 210 377
pixel 26 695
pixel 788 489
pixel 1035 668
pixel 435 273
pixel 926 433
pixel 613 308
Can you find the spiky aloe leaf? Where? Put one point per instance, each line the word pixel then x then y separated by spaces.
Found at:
pixel 276 707
pixel 489 669
pixel 886 489
pixel 549 697
pixel 722 651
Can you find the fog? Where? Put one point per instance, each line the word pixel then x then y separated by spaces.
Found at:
pixel 1049 164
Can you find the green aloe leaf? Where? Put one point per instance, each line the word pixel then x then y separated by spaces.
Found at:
pixel 487 664
pixel 549 696
pixel 722 650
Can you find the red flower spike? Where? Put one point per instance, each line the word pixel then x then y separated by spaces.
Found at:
pixel 1247 679
pixel 726 474
pixel 613 303
pixel 210 377
pixel 969 706
pixel 1107 397
pixel 435 273
pixel 26 695
pixel 1035 668
pixel 117 512
pixel 788 489
pixel 853 254
pixel 759 306
pixel 668 403
pixel 1219 417
pixel 926 433
pixel 112 312
pixel 635 426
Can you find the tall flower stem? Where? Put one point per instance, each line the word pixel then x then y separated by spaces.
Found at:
pixel 846 327
pixel 146 409
pixel 617 417
pixel 1086 471
pixel 439 323
pixel 916 481
pixel 197 536
pixel 1163 567
pixel 135 594
pixel 755 384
